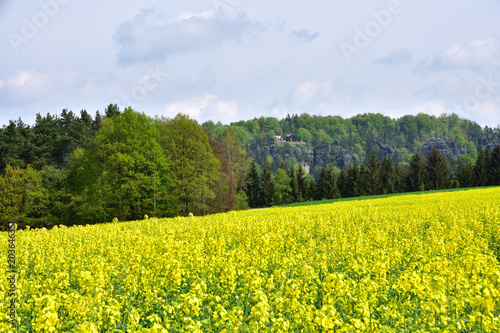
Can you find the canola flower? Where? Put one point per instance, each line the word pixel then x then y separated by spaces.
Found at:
pixel 415 263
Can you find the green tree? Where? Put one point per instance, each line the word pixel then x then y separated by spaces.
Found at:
pixel 415 180
pixel 481 168
pixel 122 173
pixel 354 174
pixel 236 156
pixel 343 183
pixel 465 175
pixel 438 174
pixel 372 183
pixel 11 193
pixel 296 190
pixel 494 166
pixel 302 184
pixel 268 185
pixel 36 200
pixel 283 193
pixel 322 186
pixel 193 165
pixel 254 187
pixel 387 176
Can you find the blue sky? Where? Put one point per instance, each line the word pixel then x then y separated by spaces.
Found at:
pixel 227 60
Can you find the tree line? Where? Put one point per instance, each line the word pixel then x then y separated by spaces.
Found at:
pixel 359 134
pixel 83 169
pixel 373 177
pixel 79 169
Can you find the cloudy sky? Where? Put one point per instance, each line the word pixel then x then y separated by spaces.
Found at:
pixel 227 60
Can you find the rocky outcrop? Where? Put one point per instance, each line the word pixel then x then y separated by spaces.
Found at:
pixel 445 146
pixel 482 143
pixel 388 151
pixel 332 154
pixel 307 156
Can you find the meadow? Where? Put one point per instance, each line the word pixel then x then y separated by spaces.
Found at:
pixel 413 263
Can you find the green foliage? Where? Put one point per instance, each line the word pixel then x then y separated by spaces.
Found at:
pixel 193 166
pixel 283 189
pixel 415 180
pixel 11 193
pixel 438 174
pixel 122 172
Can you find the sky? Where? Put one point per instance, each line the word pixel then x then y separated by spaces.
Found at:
pixel 230 60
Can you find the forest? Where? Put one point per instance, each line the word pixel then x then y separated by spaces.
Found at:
pixel 83 169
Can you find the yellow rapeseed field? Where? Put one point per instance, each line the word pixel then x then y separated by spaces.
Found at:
pixel 415 263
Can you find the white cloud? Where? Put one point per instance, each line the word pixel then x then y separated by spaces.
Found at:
pixel 28 84
pixel 479 53
pixel 150 36
pixel 204 107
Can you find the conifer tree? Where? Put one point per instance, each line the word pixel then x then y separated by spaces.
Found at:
pixel 354 173
pixel 481 168
pixel 254 189
pixel 296 193
pixel 387 176
pixel 465 175
pixel 343 183
pixel 371 175
pixel 438 174
pixel 302 183
pixel 415 180
pixel 494 167
pixel 268 185
pixel 322 186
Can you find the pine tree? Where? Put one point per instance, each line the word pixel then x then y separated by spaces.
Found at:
pixel 333 191
pixel 465 176
pixel 371 175
pixel 399 178
pixel 494 167
pixel 438 174
pixel 343 183
pixel 268 185
pixel 322 186
pixel 354 173
pixel 387 176
pixel 254 188
pixel 481 168
pixel 415 179
pixel 296 193
pixel 302 183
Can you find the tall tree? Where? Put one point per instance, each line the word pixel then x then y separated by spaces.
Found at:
pixel 11 193
pixel 122 172
pixel 494 167
pixel 465 175
pixel 387 176
pixel 372 183
pixel 415 180
pixel 237 165
pixel 438 174
pixel 283 193
pixel 343 183
pixel 333 190
pixel 481 168
pixel 268 185
pixel 254 187
pixel 193 165
pixel 302 183
pixel 322 186
pixel 354 173
pixel 296 190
